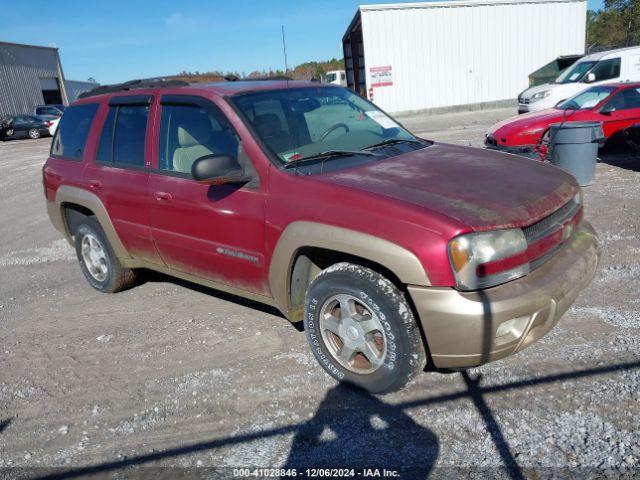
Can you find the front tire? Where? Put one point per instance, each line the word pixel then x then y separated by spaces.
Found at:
pixel 361 329
pixel 98 263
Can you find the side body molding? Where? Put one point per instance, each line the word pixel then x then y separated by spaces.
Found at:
pixel 404 264
pixel 79 196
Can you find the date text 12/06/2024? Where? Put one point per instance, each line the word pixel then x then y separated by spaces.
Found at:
pixel 315 472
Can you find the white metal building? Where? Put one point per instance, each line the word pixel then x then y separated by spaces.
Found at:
pixel 417 56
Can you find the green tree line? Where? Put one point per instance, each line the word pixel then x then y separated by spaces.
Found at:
pixel 616 25
pixel 304 71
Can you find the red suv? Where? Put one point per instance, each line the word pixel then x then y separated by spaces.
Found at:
pixel 396 252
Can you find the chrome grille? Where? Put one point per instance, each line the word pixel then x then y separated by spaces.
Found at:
pixel 548 225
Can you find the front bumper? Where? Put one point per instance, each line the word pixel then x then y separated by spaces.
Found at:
pixel 460 327
pixel 528 151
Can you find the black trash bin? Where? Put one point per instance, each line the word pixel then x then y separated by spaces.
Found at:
pixel 573 146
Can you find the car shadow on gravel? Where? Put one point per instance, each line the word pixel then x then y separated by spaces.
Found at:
pixel 350 422
pixel 622 149
pixel 626 161
pixel 355 430
pixel 149 276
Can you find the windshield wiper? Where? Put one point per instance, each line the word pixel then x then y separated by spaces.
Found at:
pixel 329 154
pixel 393 141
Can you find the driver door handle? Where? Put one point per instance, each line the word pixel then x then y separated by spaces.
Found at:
pixel 163 196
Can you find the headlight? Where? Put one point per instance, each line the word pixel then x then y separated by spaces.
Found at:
pixel 486 259
pixel 539 96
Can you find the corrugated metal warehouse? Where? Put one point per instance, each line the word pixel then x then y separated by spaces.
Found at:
pixel 29 76
pixel 418 56
pixel 74 88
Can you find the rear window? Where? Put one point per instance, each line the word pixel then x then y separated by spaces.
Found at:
pixel 72 132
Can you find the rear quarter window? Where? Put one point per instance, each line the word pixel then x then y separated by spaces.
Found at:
pixel 71 136
pixel 122 141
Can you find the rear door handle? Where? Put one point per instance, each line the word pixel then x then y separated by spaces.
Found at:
pixel 95 184
pixel 163 196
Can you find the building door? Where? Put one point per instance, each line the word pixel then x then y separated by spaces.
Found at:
pixel 51 91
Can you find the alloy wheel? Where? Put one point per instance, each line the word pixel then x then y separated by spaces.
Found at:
pixel 94 257
pixel 353 334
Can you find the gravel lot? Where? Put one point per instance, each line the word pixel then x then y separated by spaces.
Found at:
pixel 169 374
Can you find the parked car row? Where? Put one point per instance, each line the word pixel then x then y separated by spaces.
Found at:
pixel 616 106
pixel 43 122
pixel 24 126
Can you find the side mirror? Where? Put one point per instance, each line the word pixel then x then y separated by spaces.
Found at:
pixel 218 170
pixel 590 78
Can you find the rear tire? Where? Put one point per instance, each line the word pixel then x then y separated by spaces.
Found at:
pixel 34 133
pixel 98 263
pixel 376 345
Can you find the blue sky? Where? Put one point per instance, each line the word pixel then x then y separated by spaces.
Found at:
pixel 118 40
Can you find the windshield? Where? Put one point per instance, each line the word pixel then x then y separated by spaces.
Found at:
pixel 587 99
pixel 575 73
pixel 304 122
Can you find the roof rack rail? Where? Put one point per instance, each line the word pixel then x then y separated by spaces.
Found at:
pixel 233 78
pixel 159 82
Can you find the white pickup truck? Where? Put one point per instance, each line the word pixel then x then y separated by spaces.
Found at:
pixel 336 77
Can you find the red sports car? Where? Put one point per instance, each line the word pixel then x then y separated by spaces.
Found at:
pixel 617 106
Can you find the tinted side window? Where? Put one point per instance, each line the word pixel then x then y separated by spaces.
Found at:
pixel 624 100
pixel 72 132
pixel 631 98
pixel 106 137
pixel 123 135
pixel 607 69
pixel 190 132
pixel 129 135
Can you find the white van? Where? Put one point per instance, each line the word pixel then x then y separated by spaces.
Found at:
pixel 336 77
pixel 622 65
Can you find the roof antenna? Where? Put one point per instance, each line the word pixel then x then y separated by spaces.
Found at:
pixel 284 49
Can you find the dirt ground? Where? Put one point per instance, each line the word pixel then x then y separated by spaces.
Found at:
pixel 169 374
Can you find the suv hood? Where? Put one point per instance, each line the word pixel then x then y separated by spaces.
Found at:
pixel 484 189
